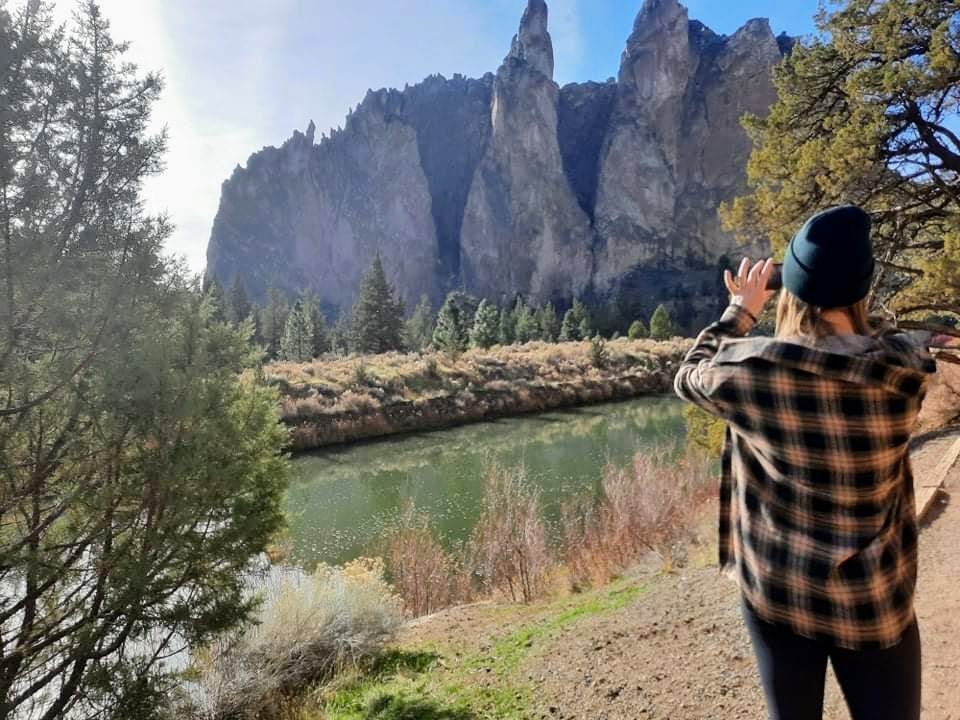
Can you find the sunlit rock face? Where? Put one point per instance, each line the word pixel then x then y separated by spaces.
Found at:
pixel 509 184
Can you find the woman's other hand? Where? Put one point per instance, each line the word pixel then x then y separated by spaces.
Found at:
pixel 749 288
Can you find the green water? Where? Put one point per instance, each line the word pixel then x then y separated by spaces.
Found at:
pixel 342 499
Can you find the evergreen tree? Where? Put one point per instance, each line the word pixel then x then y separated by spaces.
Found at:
pixel 418 329
pixel 662 326
pixel 486 326
pixel 320 342
pixel 296 345
pixel 451 334
pixel 239 305
pixel 638 330
pixel 866 114
pixel 340 336
pixel 525 324
pixel 141 475
pixel 576 323
pixel 216 298
pixel 548 323
pixel 377 315
pixel 273 320
pixel 508 328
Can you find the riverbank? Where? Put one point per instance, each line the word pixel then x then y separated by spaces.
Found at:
pixel 652 644
pixel 340 400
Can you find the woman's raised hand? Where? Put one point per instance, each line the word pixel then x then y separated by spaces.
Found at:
pixel 749 288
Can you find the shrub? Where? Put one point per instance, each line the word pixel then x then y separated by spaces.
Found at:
pixel 646 507
pixel 662 326
pixel 308 627
pixel 704 430
pixel 362 377
pixel 638 330
pixel 426 577
pixel 508 547
pixel 598 352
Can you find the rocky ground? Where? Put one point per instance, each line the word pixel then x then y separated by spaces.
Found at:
pixel 678 649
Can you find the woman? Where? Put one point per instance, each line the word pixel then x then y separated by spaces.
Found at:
pixel 817 518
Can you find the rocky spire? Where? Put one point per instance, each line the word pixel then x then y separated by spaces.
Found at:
pixel 311 130
pixel 532 44
pixel 656 62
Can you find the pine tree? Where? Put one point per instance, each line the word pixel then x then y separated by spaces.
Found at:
pixel 340 336
pixel 418 328
pixel 661 324
pixel 486 326
pixel 866 114
pixel 320 343
pixel 141 475
pixel 507 329
pixel 576 323
pixel 296 345
pixel 524 322
pixel 273 320
pixel 217 299
pixel 548 323
pixel 239 305
pixel 638 330
pixel 451 334
pixel 377 315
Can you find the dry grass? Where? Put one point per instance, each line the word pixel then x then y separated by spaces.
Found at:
pixel 646 507
pixel 343 399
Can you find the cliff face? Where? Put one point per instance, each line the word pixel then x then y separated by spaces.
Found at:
pixel 509 184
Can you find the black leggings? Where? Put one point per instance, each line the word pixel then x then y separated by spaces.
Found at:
pixel 877 684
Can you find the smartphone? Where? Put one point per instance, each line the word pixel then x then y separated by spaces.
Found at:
pixel 775 282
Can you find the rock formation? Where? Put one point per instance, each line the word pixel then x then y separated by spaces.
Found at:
pixel 510 185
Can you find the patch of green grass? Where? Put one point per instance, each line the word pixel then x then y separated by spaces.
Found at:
pixel 412 686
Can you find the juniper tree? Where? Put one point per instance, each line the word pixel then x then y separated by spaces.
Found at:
pixel 377 315
pixel 418 328
pixel 507 329
pixel 662 326
pixel 526 328
pixel 576 323
pixel 866 114
pixel 320 341
pixel 486 326
pixel 296 345
pixel 140 473
pixel 452 333
pixel 273 320
pixel 239 307
pixel 548 323
pixel 218 300
pixel 638 330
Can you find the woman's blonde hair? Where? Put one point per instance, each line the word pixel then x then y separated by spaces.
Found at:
pixel 796 317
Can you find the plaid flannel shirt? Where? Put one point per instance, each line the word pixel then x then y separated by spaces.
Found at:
pixel 817 519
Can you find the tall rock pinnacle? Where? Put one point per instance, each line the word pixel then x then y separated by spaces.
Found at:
pixel 532 44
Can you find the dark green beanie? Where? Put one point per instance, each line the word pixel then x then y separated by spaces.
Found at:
pixel 829 262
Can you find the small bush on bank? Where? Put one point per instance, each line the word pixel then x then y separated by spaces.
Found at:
pixel 425 576
pixel 308 628
pixel 646 506
pixel 508 548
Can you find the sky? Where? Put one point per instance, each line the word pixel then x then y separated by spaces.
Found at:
pixel 243 74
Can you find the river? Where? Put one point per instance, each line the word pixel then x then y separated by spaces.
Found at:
pixel 343 498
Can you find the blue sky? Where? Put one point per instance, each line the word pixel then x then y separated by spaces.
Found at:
pixel 242 74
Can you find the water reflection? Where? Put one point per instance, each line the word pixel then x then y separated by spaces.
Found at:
pixel 342 499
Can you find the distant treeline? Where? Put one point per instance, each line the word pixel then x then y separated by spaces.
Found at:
pixel 298 331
